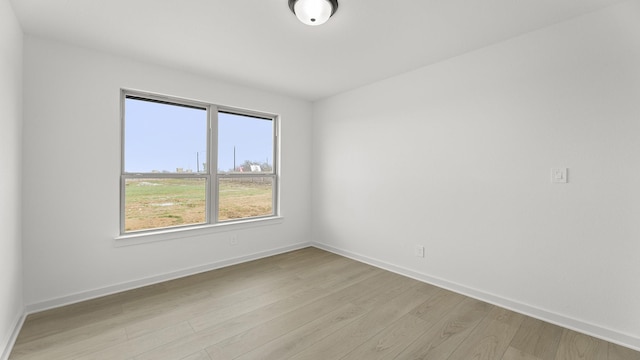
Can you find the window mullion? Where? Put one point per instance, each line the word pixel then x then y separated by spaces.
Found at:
pixel 212 203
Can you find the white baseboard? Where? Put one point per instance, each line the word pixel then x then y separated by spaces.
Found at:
pixel 600 332
pixel 129 285
pixel 14 336
pixel 557 319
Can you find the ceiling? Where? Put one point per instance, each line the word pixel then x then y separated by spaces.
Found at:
pixel 260 43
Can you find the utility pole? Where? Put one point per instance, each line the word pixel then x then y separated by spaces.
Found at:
pixel 198 161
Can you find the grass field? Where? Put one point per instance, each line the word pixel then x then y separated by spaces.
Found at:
pixel 158 203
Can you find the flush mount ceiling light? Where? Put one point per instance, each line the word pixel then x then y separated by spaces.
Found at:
pixel 313 12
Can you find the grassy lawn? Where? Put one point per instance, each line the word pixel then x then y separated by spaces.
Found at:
pixel 244 199
pixel 157 203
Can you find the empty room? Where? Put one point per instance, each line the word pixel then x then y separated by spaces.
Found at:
pixel 320 179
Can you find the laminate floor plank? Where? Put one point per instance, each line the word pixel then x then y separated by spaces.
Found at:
pixel 491 338
pixel 574 345
pixel 237 345
pixel 392 286
pixel 343 341
pixel 436 307
pixel 444 337
pixel 298 317
pixel 76 349
pixel 223 305
pixel 516 354
pixel 617 352
pixel 67 318
pixel 537 338
pixel 304 304
pixel 200 355
pixel 95 316
pixel 131 347
pixel 298 339
pixel 210 331
pixel 243 343
pixel 391 341
pixel 66 336
pixel 301 338
pixel 307 292
pixel 397 337
pixel 305 258
pixel 214 332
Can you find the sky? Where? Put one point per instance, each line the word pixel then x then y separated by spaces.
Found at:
pixel 163 137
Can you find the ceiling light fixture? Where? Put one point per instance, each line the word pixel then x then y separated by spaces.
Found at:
pixel 313 12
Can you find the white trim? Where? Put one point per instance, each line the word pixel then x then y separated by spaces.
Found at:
pixel 191 231
pixel 597 331
pixel 554 318
pixel 8 347
pixel 129 285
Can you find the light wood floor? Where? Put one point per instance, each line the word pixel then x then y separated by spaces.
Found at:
pixel 306 304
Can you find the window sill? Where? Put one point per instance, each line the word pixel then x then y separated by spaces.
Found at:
pixel 192 231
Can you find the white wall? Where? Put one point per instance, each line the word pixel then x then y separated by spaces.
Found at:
pixel 457 157
pixel 11 307
pixel 71 176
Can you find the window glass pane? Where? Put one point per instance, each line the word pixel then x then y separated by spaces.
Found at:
pixel 245 197
pixel 164 138
pixel 245 144
pixel 164 202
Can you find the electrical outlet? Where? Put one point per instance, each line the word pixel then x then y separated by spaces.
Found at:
pixel 233 241
pixel 420 251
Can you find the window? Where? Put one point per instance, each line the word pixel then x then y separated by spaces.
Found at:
pixel 186 163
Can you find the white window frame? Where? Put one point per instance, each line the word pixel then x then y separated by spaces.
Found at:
pixel 211 175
